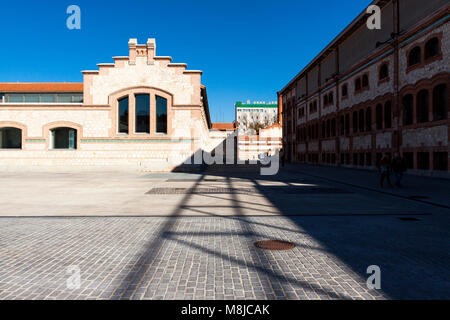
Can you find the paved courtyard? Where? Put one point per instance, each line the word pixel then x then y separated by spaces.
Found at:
pixel 190 236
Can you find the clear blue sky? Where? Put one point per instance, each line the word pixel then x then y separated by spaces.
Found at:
pixel 248 50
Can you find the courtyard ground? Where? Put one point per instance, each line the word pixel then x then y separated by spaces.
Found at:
pixel 191 235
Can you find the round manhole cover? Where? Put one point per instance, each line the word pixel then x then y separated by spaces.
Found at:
pixel 274 245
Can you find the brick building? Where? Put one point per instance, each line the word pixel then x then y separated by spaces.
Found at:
pixel 371 92
pixel 141 112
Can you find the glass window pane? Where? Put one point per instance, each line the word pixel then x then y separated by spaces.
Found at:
pixel 123 115
pixel 10 138
pixel 31 98
pixel 48 98
pixel 143 113
pixel 64 138
pixel 64 98
pixel 161 115
pixel 16 98
pixel 78 98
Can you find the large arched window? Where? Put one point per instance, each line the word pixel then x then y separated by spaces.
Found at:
pixel 408 109
pixel 388 115
pixel 432 48
pixel 379 116
pixel 415 57
pixel 440 98
pixel 63 138
pixel 344 90
pixel 358 84
pixel 10 138
pixel 422 106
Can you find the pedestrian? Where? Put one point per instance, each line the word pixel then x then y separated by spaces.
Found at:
pixel 398 167
pixel 384 167
pixel 282 157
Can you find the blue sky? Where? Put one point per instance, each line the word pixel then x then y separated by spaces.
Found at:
pixel 248 50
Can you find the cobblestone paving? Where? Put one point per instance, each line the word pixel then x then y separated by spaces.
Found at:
pixel 210 258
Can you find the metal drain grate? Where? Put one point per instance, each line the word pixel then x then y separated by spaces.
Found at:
pixel 274 245
pixel 408 219
pixel 199 190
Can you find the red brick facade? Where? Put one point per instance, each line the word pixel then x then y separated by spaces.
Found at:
pixel 396 98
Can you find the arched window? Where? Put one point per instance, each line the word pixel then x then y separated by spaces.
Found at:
pixel 142 113
pixel 388 115
pixel 361 120
pixel 379 116
pixel 355 122
pixel 63 138
pixel 325 100
pixel 384 72
pixel 161 115
pixel 333 127
pixel 10 138
pixel 415 57
pixel 432 48
pixel 328 128
pixel 344 90
pixel 422 106
pixel 323 129
pixel 365 81
pixel 331 98
pixel 440 98
pixel 123 115
pixel 408 109
pixel 358 84
pixel 347 123
pixel 342 125
pixel 369 119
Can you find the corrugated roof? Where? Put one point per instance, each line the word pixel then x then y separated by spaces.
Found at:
pixel 41 87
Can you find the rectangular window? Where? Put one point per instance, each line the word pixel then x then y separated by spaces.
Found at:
pixel 423 160
pixel 64 98
pixel 31 98
pixel 16 98
pixel 78 98
pixel 440 161
pixel 368 159
pixel 161 115
pixel 47 98
pixel 142 113
pixel 123 115
pixel 409 159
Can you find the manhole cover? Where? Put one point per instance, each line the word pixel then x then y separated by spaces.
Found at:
pixel 274 245
pixel 409 219
pixel 418 197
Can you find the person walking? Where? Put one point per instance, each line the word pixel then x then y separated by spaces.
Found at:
pixel 384 167
pixel 398 167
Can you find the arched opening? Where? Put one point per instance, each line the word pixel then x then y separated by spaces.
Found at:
pixel 344 90
pixel 331 98
pixel 361 120
pixel 388 115
pixel 384 72
pixel 10 138
pixel 415 57
pixel 379 116
pixel 440 98
pixel 369 119
pixel 355 122
pixel 432 48
pixel 422 106
pixel 63 138
pixel 358 84
pixel 408 109
pixel 325 100
pixel 365 81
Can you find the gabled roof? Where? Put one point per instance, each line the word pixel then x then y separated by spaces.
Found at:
pixel 41 87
